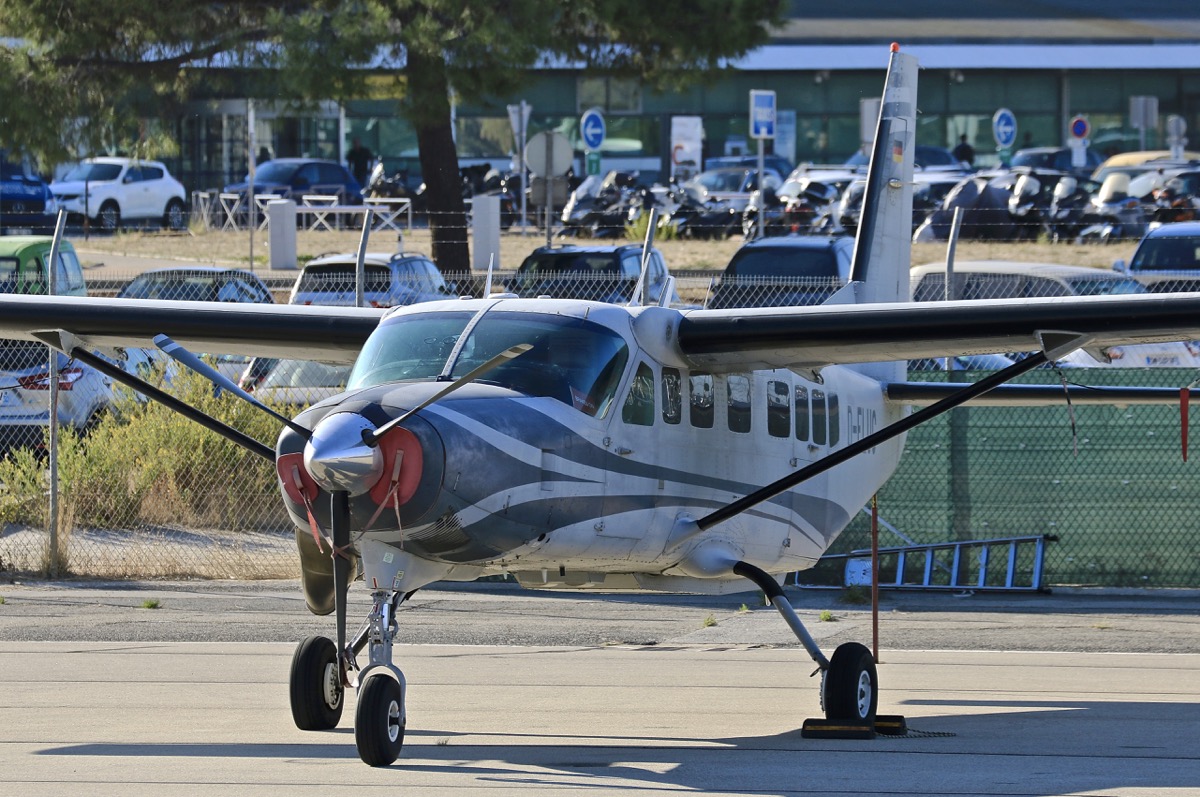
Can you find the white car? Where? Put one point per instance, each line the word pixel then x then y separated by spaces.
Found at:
pixel 112 191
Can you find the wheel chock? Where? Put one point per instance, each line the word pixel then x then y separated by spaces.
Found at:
pixel 885 725
pixel 890 725
pixel 836 729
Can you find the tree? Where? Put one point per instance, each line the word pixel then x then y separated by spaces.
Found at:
pixel 100 61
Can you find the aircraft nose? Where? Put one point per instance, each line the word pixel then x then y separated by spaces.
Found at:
pixel 337 458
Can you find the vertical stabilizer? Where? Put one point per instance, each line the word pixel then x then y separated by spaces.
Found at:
pixel 883 249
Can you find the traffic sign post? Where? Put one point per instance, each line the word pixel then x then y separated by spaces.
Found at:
pixel 592 129
pixel 762 127
pixel 1004 128
pixel 1079 129
pixel 549 155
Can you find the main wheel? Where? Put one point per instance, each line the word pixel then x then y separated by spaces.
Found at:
pixel 175 217
pixel 315 685
pixel 850 689
pixel 109 216
pixel 379 721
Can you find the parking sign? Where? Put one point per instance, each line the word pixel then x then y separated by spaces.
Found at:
pixel 762 114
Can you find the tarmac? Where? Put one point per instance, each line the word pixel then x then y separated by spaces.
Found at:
pixel 553 694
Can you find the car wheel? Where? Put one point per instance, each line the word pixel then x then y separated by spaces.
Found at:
pixel 175 218
pixel 109 217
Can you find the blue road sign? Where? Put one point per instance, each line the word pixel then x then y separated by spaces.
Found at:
pixel 762 114
pixel 591 128
pixel 1080 127
pixel 1004 128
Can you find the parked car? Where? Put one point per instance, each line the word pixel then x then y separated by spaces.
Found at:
pixel 925 157
pixel 1056 159
pixel 23 266
pixel 295 384
pixel 1167 258
pixel 113 191
pixel 1000 279
pixel 291 178
pixel 84 394
pixel 27 206
pixel 1134 163
pixel 777 163
pixel 600 273
pixel 198 284
pixel 391 280
pixel 731 184
pixel 784 272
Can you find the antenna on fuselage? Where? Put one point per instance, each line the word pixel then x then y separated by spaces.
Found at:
pixel 487 286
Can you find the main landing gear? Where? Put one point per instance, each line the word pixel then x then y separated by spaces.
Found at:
pixel 319 678
pixel 849 682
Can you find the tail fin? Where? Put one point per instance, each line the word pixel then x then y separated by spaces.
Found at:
pixel 883 250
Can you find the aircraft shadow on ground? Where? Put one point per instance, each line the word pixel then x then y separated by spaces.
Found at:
pixel 736 765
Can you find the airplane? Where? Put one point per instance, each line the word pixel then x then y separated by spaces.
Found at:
pixel 581 445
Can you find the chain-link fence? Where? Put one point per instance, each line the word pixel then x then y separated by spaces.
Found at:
pixel 141 492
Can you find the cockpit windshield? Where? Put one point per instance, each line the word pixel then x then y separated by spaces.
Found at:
pixel 573 360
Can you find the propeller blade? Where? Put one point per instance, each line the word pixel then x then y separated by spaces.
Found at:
pixel 194 363
pixel 372 438
pixel 340 518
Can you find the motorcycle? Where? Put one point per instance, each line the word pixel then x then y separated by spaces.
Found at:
pixel 1065 216
pixel 1114 213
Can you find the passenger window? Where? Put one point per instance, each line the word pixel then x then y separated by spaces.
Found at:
pixel 700 391
pixel 737 388
pixel 639 404
pixel 835 420
pixel 672 389
pixel 820 419
pixel 779 409
pixel 802 419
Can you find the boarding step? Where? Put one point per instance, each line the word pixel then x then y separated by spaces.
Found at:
pixel 1008 564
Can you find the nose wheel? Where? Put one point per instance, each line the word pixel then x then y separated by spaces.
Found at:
pixel 315 685
pixel 379 720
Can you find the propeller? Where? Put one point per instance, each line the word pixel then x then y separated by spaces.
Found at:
pixel 188 360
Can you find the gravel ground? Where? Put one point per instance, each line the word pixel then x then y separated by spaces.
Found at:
pixel 503 614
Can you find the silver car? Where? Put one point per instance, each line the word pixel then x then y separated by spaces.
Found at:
pixel 84 394
pixel 391 280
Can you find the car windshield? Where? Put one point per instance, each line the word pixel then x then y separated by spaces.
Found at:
pixel 783 262
pixel 1099 286
pixel 340 278
pixel 1168 253
pixel 305 374
pixel 723 180
pixel 182 287
pixel 574 361
pixel 274 172
pixel 93 172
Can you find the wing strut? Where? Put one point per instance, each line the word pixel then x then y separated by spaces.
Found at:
pixel 869 442
pixel 162 397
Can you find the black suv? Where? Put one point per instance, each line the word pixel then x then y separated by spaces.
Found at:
pixel 784 272
pixel 599 273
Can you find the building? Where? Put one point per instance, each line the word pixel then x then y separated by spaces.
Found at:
pixel 1045 60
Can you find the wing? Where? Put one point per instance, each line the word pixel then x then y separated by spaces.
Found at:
pixel 331 334
pixel 813 337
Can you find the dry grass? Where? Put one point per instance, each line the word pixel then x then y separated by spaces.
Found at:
pixel 214 247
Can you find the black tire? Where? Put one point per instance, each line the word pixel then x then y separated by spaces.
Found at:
pixel 109 217
pixel 315 685
pixel 851 685
pixel 175 217
pixel 378 721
